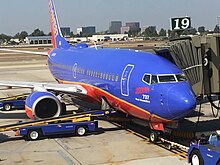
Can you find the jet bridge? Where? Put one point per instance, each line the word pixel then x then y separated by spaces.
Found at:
pixel 199 58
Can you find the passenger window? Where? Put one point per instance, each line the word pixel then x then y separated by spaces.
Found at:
pixel 147 78
pixel 113 77
pixel 154 79
pixel 109 78
pixel 116 79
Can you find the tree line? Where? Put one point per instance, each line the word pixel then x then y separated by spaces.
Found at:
pixel 22 35
pixel 152 32
pixel 148 32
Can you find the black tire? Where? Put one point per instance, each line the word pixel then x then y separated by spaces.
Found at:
pixel 218 163
pixel 81 130
pixel 7 107
pixel 153 136
pixel 196 157
pixel 34 134
pixel 169 147
pixel 63 106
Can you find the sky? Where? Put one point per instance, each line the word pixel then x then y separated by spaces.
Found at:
pixel 19 15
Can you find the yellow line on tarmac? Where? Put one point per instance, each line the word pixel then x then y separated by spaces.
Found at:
pixel 182 153
pixel 183 158
pixel 131 131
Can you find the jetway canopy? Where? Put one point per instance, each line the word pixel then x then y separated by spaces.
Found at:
pixel 199 58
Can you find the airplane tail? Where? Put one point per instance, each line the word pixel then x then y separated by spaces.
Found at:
pixel 57 38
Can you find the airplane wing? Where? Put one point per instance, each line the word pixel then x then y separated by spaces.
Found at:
pixel 23 51
pixel 36 86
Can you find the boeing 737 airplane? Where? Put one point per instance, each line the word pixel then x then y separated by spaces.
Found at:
pixel 137 83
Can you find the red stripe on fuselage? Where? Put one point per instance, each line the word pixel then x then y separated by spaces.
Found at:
pixel 53 37
pixel 52 26
pixel 118 103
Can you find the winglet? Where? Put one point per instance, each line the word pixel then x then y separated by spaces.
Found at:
pixel 57 37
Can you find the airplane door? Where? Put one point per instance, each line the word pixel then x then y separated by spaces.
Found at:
pixel 125 79
pixel 74 69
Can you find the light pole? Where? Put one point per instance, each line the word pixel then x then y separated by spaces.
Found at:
pixel 218 18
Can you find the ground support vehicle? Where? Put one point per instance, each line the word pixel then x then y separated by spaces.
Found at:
pixel 205 151
pixel 15 102
pixel 78 128
pixel 80 124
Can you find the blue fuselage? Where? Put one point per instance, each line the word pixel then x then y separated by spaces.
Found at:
pixel 120 75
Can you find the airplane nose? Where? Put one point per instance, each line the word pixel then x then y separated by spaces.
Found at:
pixel 180 101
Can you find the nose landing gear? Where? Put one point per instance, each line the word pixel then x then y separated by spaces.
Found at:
pixel 154 136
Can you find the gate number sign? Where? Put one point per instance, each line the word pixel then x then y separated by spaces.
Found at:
pixel 180 23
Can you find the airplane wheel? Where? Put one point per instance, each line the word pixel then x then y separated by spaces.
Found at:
pixel 7 107
pixel 169 147
pixel 80 130
pixel 153 136
pixel 196 158
pixel 34 134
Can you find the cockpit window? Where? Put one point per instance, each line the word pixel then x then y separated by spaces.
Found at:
pixel 147 78
pixel 167 78
pixel 181 77
pixel 154 79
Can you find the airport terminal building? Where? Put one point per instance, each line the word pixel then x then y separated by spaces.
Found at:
pixel 48 39
pixel 109 37
pixel 38 40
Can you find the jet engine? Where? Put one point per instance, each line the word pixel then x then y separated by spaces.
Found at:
pixel 40 105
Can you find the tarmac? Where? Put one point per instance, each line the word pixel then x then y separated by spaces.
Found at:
pixel 111 146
